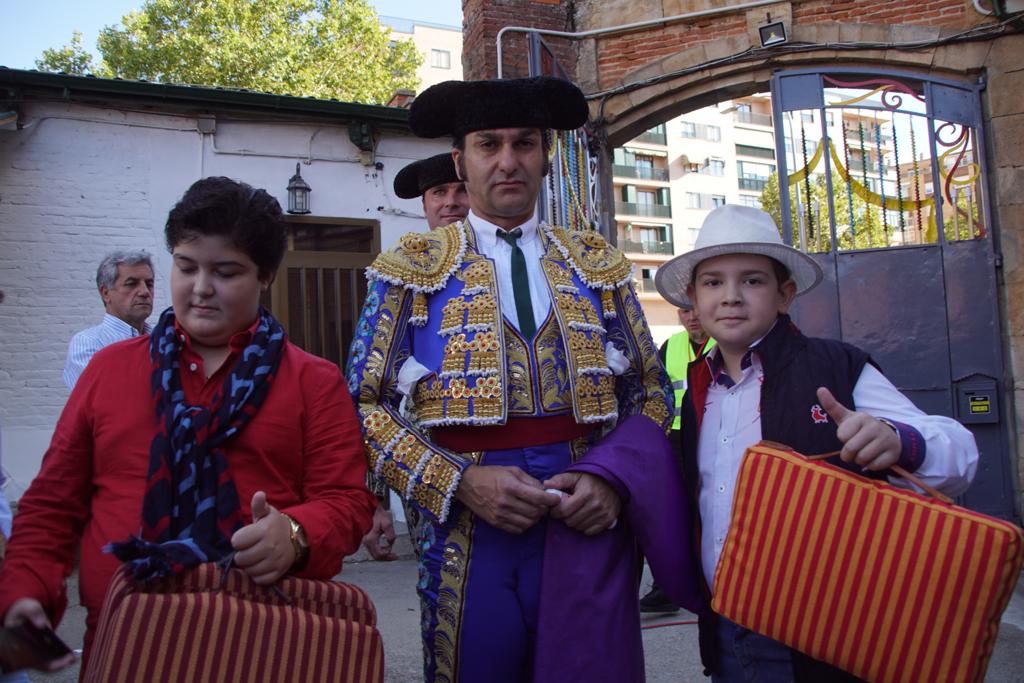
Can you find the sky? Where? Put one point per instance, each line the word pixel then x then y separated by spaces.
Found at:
pixel 27 27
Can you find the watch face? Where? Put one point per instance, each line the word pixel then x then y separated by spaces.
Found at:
pixel 298 534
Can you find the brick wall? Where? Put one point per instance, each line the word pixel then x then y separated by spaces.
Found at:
pixel 622 54
pixel 77 192
pixel 484 18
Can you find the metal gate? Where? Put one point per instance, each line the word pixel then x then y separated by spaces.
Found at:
pixel 886 188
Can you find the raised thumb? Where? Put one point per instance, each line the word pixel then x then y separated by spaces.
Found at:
pixel 260 508
pixel 830 405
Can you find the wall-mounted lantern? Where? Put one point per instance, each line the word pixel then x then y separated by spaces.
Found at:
pixel 298 193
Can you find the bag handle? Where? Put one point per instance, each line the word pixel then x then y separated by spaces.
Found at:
pixel 934 493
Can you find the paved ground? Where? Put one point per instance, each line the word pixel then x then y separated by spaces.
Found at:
pixel 670 643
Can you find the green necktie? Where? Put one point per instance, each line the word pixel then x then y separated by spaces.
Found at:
pixel 520 283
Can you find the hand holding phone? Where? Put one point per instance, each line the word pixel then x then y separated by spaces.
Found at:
pixel 27 645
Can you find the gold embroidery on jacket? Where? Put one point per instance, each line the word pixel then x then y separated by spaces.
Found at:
pixel 451 596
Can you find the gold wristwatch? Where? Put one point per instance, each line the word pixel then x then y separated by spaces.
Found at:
pixel 299 543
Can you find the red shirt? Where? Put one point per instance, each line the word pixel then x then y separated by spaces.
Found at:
pixel 303 448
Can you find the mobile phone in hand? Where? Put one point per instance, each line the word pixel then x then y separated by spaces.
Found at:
pixel 26 646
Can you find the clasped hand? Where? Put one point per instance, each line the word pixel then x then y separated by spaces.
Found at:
pixel 264 548
pixel 511 500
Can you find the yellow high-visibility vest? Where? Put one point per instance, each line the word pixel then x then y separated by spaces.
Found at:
pixel 678 356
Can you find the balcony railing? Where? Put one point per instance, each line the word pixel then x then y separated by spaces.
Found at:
pixel 754 118
pixel 633 247
pixel 647 285
pixel 753 183
pixel 641 172
pixel 751 151
pixel 658 138
pixel 631 209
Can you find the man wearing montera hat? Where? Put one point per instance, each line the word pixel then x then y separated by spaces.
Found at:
pixel 444 195
pixel 533 408
pixel 444 202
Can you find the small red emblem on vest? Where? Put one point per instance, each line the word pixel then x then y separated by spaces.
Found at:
pixel 818 415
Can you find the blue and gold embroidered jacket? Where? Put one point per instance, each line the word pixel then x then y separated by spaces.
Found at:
pixel 435 297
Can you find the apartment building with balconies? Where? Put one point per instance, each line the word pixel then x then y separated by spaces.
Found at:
pixel 668 179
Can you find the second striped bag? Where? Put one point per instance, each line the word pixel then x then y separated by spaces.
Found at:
pixel 876 580
pixel 203 625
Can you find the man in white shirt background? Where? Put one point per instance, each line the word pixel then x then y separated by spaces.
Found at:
pixel 124 280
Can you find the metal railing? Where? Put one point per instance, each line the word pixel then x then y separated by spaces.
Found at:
pixel 751 151
pixel 656 138
pixel 632 209
pixel 752 183
pixel 634 247
pixel 641 172
pixel 752 117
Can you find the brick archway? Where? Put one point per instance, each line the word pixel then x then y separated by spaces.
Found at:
pixel 623 115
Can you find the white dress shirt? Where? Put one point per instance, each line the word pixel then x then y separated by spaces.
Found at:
pixel 732 423
pixel 500 251
pixel 90 340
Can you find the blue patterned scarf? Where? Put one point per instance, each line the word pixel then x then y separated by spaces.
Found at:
pixel 191 507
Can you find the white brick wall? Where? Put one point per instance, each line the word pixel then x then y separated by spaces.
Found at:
pixel 78 182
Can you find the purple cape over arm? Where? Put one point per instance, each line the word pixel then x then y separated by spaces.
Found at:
pixel 589 622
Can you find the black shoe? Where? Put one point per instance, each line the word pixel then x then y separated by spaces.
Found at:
pixel 656 602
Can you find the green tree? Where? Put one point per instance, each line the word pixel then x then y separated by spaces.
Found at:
pixel 331 49
pixel 70 59
pixel 867 229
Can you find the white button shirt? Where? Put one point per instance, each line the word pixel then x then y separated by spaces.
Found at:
pixel 732 423
pixel 500 252
pixel 90 340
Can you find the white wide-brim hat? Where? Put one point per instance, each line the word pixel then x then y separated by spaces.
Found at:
pixel 734 229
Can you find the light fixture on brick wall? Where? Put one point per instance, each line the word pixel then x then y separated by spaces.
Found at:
pixel 298 193
pixel 772 33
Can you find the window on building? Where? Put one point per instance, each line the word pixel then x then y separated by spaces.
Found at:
pixel 807 116
pixel 644 166
pixel 440 59
pixel 712 166
pixel 647 279
pixel 750 200
pixel 645 198
pixel 752 169
pixel 718 200
pixel 649 235
pixel 693 200
pixel 701 131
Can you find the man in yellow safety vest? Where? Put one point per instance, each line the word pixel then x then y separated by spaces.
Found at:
pixel 681 349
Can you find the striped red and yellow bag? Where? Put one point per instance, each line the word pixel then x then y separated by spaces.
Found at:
pixel 196 627
pixel 876 580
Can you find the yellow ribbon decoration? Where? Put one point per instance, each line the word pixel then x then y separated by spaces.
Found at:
pixel 865 193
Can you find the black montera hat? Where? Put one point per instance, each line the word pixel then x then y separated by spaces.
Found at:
pixel 459 107
pixel 420 176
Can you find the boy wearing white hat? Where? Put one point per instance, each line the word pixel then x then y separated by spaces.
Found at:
pixel 765 380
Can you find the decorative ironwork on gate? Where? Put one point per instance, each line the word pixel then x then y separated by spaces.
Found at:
pixel 877 161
